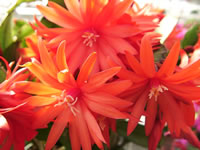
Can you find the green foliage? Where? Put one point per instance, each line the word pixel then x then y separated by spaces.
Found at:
pixel 137 136
pixel 65 140
pixel 2 74
pixel 60 2
pixel 191 37
pixel 48 23
pixel 22 29
pixel 43 133
pixel 6 33
pixel 160 54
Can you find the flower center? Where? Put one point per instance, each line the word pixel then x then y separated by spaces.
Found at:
pixel 90 37
pixel 70 98
pixel 156 89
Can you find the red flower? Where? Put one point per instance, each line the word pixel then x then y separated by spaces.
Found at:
pixel 161 92
pixel 92 26
pixel 15 115
pixel 77 104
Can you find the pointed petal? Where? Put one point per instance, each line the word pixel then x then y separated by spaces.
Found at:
pixel 155 135
pixel 86 68
pixel 133 62
pixel 45 115
pixel 34 88
pixel 108 51
pixel 188 134
pixel 116 87
pixel 170 62
pixel 38 101
pixel 46 59
pixel 186 92
pixel 121 8
pixel 107 99
pixel 59 15
pixel 65 77
pixel 92 123
pixel 60 57
pixel 151 115
pixel 52 16
pixel 77 57
pixel 105 14
pixel 175 122
pixel 74 7
pixel 187 74
pixel 83 132
pixel 100 78
pixel 57 128
pixel 38 71
pixel 120 45
pixel 74 137
pixel 137 111
pixel 122 31
pixel 188 113
pixel 105 110
pixel 147 57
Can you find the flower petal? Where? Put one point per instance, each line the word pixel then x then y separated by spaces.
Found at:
pixel 116 87
pixel 35 88
pixel 46 59
pixel 40 100
pixel 57 128
pixel 36 68
pixel 120 45
pixel 74 138
pixel 105 110
pixel 151 115
pixel 82 130
pixel 122 31
pixel 170 62
pixel 86 68
pixel 74 7
pixel 137 111
pixel 92 123
pixel 107 99
pixel 146 57
pixel 60 57
pixel 187 74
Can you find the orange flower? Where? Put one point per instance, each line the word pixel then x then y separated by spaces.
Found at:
pixel 92 26
pixel 31 50
pixel 77 103
pixel 15 115
pixel 162 93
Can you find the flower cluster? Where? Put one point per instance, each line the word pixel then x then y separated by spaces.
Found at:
pixel 95 67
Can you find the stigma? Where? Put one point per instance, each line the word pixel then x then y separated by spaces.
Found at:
pixel 89 38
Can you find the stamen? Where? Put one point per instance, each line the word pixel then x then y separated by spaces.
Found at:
pixel 156 90
pixel 65 98
pixel 89 38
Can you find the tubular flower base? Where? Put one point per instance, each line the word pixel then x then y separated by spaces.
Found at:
pixel 162 93
pixel 92 26
pixel 78 104
pixel 15 114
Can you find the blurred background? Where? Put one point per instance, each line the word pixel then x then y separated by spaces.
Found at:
pixel 182 9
